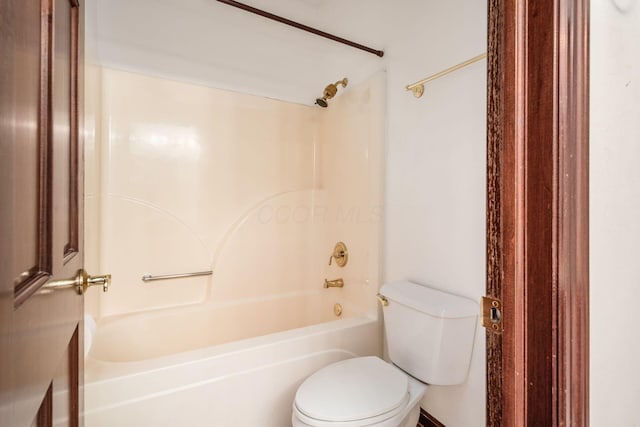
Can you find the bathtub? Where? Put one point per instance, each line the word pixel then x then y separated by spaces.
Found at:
pixel 215 365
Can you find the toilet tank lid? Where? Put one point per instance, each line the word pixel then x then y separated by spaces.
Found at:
pixel 430 301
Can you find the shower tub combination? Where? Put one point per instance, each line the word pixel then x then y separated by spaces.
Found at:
pixel 188 186
pixel 181 366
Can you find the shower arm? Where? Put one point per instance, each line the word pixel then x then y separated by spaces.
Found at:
pixel 342 82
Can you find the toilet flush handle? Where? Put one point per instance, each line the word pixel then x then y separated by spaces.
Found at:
pixel 383 300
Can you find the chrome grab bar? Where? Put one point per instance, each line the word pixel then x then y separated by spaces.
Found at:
pixel 150 278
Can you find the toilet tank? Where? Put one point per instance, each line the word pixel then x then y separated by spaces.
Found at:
pixel 429 333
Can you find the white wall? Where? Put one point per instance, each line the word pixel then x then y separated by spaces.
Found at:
pixel 614 212
pixel 435 187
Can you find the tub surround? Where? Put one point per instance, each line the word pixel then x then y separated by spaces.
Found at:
pixel 179 168
pixel 194 178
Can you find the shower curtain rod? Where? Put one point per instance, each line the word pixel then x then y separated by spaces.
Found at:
pixel 300 26
pixel 418 87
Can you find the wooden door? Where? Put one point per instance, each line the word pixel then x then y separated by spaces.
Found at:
pixel 41 212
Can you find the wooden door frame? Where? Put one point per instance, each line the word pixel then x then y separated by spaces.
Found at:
pixel 537 211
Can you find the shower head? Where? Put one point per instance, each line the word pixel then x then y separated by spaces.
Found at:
pixel 330 91
pixel 322 102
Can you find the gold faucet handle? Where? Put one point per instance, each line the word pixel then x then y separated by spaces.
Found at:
pixel 340 254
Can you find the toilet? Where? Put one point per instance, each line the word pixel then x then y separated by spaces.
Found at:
pixel 429 336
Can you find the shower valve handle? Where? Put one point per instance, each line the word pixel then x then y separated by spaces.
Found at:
pixel 336 255
pixel 340 254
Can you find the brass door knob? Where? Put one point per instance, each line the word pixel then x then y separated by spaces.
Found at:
pixel 81 282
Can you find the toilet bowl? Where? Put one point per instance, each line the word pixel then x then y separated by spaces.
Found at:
pixel 358 392
pixel 429 335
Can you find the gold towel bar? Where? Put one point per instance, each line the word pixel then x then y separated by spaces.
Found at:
pixel 418 87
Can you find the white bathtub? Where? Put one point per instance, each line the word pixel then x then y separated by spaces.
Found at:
pixel 182 367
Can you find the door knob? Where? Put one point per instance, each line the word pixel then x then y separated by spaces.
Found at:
pixel 81 282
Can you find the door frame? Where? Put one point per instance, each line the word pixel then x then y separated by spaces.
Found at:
pixel 537 212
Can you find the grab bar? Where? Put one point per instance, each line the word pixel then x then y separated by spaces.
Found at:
pixel 150 278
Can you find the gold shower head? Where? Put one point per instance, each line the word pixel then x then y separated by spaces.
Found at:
pixel 330 91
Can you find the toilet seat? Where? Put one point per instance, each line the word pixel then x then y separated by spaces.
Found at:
pixel 352 393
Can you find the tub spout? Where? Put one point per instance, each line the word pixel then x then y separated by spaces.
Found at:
pixel 338 283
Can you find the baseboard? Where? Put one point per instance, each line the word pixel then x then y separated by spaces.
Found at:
pixel 428 420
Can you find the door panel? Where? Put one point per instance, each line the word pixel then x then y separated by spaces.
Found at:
pixel 40 212
pixel 25 169
pixel 61 115
pixel 58 406
pixel 65 119
pixel 65 387
pixel 26 150
pixel 45 412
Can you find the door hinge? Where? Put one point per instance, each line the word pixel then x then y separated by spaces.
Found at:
pixel 492 314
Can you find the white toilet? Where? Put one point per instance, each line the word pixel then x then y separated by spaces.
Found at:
pixel 430 338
